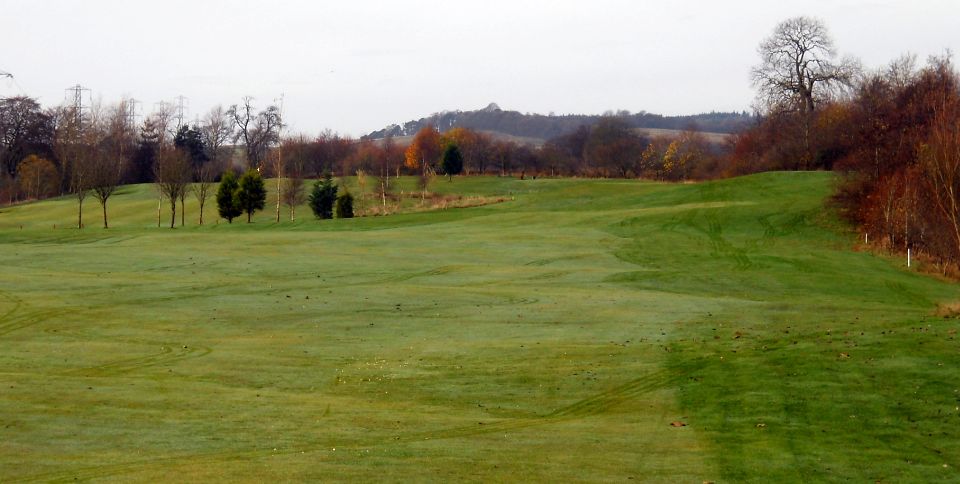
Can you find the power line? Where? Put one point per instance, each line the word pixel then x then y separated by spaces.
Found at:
pixel 78 91
pixel 181 107
pixel 13 80
pixel 131 113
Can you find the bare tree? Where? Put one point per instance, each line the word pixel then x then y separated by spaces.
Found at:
pixel 217 129
pixel 384 163
pixel 901 71
pixel 70 149
pixel 103 164
pixel 173 177
pixel 104 177
pixel 258 131
pixel 279 163
pixel 121 135
pixel 798 67
pixel 362 184
pixel 940 159
pixel 203 187
pixel 293 194
pixel 295 162
pixel 160 124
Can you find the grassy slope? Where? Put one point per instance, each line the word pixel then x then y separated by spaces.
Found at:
pixel 554 337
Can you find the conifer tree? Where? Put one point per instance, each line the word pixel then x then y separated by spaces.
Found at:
pixel 322 197
pixel 251 193
pixel 227 204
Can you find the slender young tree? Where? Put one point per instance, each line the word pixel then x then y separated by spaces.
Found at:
pixel 295 161
pixel 159 128
pixel 102 172
pixel 362 185
pixel 203 186
pixel 172 175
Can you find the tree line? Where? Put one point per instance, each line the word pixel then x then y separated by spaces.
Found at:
pixel 60 151
pixel 892 133
pixel 539 126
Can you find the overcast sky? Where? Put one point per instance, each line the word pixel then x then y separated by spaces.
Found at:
pixel 356 66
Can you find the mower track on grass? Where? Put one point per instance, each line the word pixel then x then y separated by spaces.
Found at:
pixel 594 405
pixel 169 353
pixel 16 318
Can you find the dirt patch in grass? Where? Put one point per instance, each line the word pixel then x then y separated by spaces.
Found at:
pixel 948 310
pixel 413 203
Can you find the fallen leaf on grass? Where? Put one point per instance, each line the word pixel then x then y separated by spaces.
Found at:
pixel 844 356
pixel 678 424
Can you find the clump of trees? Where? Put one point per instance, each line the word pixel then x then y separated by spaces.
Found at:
pixel 236 197
pixel 901 160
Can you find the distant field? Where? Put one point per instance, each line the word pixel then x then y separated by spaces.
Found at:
pixel 713 138
pixel 582 330
pixel 520 140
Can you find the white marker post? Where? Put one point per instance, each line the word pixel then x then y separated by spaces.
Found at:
pixel 908 257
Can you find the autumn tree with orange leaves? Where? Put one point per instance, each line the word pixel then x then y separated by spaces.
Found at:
pixel 423 154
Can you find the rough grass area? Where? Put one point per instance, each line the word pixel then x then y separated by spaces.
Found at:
pixel 581 330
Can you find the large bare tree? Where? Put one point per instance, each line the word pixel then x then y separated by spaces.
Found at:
pixel 217 129
pixel 257 130
pixel 799 66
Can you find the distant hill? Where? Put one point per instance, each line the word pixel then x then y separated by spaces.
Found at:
pixel 536 128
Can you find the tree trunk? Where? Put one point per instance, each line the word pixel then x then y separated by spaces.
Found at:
pixel 80 214
pixel 159 206
pixel 104 205
pixel 249 214
pixel 173 212
pixel 201 212
pixel 279 193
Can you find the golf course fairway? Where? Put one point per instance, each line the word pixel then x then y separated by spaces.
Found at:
pixel 580 330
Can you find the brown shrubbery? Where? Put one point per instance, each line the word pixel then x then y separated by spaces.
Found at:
pixel 896 140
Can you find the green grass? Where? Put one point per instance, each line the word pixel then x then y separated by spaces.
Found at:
pixel 553 337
